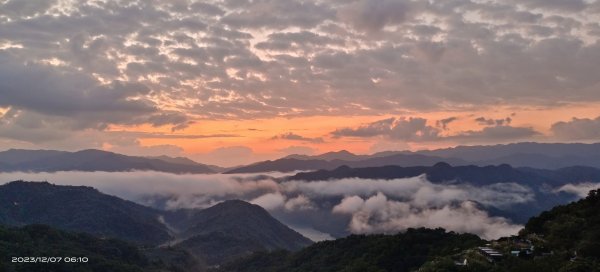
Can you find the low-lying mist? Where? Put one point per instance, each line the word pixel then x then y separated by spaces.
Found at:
pixel 320 209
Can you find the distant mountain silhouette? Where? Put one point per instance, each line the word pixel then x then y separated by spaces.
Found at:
pixel 187 161
pixel 528 154
pixel 290 164
pixel 17 156
pixel 343 155
pixel 92 160
pixel 229 229
pixel 283 165
pixel 476 175
pixel 534 155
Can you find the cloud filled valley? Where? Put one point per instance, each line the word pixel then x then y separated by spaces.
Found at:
pixel 332 208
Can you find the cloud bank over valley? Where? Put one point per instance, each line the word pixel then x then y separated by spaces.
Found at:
pixel 325 209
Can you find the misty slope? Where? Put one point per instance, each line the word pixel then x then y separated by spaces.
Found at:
pixel 571 227
pixel 235 228
pixel 401 252
pixel 91 160
pixel 292 164
pixel 79 208
pixel 228 229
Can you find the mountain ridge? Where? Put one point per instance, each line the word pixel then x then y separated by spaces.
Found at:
pixel 91 160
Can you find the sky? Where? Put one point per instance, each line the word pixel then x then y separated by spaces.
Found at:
pixel 229 82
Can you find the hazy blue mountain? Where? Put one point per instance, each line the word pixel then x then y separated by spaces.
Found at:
pixel 403 160
pixel 283 165
pixel 79 208
pixel 92 160
pixel 528 154
pixel 188 161
pixel 343 155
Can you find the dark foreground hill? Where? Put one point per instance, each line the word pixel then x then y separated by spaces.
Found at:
pixel 564 239
pixel 40 241
pixel 92 160
pixel 227 230
pixel 82 252
pixel 236 228
pixel 401 252
pixel 80 208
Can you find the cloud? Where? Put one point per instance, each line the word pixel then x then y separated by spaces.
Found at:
pixel 556 5
pixel 581 189
pixel 414 129
pixel 26 8
pixel 295 137
pixel 292 41
pixel 160 63
pixel 443 123
pixel 333 206
pixel 577 129
pixel 493 122
pixel 79 100
pixel 408 129
pixel 373 15
pixel 496 133
pixel 377 214
pixel 300 202
pixel 270 201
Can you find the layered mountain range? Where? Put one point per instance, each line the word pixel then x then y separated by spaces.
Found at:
pixel 534 155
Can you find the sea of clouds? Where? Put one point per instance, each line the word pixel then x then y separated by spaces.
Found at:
pixel 321 209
